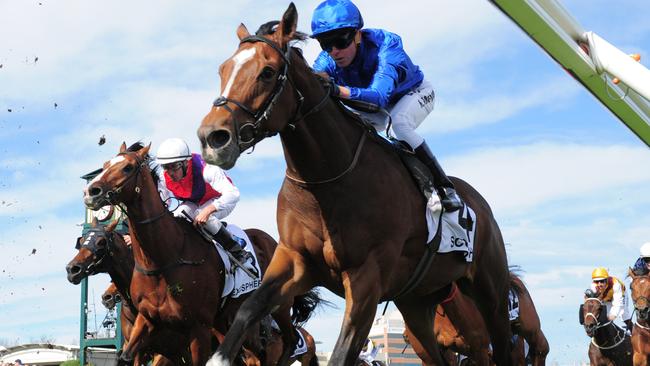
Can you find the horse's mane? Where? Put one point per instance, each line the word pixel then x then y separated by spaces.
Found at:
pixel 516 283
pixel 153 166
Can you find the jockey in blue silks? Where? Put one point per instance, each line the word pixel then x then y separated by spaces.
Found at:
pixel 371 65
pixel 642 264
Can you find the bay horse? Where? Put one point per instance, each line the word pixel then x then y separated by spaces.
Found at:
pixel 349 215
pixel 179 276
pixel 641 332
pixel 610 345
pixel 102 250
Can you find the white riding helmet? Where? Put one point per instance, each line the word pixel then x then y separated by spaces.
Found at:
pixel 645 250
pixel 172 150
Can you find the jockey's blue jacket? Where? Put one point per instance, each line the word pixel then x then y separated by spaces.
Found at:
pixel 381 72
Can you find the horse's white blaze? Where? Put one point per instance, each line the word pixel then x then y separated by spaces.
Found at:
pixel 217 360
pixel 112 162
pixel 240 59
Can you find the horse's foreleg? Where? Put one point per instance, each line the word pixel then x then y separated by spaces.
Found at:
pixel 138 338
pixel 419 316
pixel 285 277
pixel 539 347
pixel 282 317
pixel 362 292
pixel 200 345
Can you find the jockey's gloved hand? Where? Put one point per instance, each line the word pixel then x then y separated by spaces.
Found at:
pixel 629 325
pixel 334 89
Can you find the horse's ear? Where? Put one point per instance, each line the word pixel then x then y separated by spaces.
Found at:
pixel 287 27
pixel 242 31
pixel 110 227
pixel 144 151
pixel 95 222
pixel 123 148
pixel 630 273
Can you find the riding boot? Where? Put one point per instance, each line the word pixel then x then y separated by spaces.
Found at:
pixel 448 196
pixel 235 246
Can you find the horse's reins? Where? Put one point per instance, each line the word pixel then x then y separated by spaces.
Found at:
pixel 110 195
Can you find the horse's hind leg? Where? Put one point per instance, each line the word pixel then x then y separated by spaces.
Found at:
pixel 285 277
pixel 419 316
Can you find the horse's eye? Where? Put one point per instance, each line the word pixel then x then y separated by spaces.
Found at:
pixel 128 169
pixel 267 73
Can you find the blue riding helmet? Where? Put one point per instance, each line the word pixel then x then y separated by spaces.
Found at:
pixel 335 14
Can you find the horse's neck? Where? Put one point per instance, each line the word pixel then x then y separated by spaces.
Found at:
pixel 323 144
pixel 121 270
pixel 157 241
pixel 605 336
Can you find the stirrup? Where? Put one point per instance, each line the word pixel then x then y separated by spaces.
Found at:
pixel 450 199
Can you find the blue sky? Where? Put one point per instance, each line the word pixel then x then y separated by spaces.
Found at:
pixel 566 180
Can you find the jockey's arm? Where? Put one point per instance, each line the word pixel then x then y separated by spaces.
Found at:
pixel 617 302
pixel 218 179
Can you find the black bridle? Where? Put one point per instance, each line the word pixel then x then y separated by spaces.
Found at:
pixel 257 133
pixel 111 195
pixel 91 238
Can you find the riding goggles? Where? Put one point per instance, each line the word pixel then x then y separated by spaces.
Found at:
pixel 340 41
pixel 173 166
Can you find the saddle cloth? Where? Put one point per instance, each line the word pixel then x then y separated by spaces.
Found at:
pixel 457 232
pixel 301 344
pixel 236 281
pixel 513 305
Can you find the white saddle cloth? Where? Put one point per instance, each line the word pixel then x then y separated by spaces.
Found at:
pixel 458 228
pixel 238 283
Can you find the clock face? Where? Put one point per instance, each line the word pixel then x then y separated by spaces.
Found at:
pixel 104 213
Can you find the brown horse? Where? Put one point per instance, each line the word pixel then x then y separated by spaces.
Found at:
pixel 460 328
pixel 609 345
pixel 101 250
pixel 641 332
pixel 350 217
pixel 179 276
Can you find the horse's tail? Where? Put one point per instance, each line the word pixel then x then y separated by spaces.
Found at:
pixel 304 305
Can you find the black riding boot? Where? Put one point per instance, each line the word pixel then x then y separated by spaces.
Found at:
pixel 448 196
pixel 629 325
pixel 231 243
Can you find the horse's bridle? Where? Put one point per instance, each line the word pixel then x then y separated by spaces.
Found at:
pixel 111 195
pixel 620 336
pixel 263 113
pixel 93 235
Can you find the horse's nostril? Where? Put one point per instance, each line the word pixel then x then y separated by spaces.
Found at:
pixel 95 191
pixel 73 269
pixel 218 139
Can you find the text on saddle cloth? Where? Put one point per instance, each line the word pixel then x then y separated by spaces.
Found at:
pixel 236 281
pixel 301 344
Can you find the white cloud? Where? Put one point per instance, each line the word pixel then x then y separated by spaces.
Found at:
pixel 513 177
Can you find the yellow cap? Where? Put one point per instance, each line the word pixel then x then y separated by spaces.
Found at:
pixel 599 273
